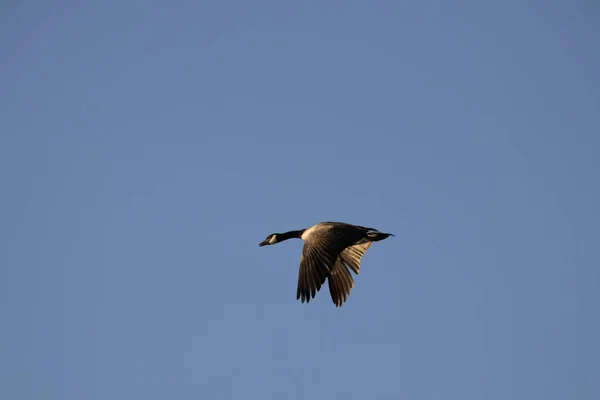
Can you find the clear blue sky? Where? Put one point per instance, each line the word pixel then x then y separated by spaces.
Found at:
pixel 148 147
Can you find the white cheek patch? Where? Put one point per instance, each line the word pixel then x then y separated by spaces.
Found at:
pixel 273 240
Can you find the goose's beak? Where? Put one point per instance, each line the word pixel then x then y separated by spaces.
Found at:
pixel 263 243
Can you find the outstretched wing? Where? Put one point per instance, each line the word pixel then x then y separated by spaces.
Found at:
pixel 315 266
pixel 352 255
pixel 340 280
pixel 340 283
pixel 323 244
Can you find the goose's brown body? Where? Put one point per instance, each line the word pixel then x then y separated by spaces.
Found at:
pixel 330 250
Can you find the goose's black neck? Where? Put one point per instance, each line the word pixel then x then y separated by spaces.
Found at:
pixel 290 235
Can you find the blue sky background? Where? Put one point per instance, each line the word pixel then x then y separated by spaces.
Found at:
pixel 148 147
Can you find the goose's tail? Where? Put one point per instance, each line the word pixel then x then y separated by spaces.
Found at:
pixel 376 236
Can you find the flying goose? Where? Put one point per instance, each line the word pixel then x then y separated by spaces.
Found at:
pixel 330 248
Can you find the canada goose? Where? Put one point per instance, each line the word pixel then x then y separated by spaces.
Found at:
pixel 330 248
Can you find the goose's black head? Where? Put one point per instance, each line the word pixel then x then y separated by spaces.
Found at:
pixel 280 237
pixel 271 239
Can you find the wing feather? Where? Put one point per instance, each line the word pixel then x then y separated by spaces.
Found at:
pixel 315 267
pixel 340 283
pixel 352 255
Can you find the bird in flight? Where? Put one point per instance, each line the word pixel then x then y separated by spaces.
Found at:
pixel 330 248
